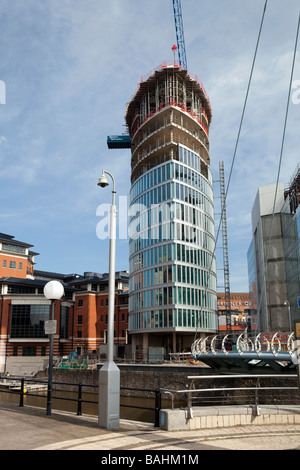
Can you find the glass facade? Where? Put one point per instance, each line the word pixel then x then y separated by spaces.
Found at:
pixel 172 266
pixel 172 280
pixel 28 321
pixel 274 255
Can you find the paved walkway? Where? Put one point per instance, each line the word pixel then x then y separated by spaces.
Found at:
pixel 30 428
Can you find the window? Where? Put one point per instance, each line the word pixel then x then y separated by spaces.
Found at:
pixel 29 351
pixel 80 303
pixel 64 322
pixel 13 248
pixel 12 265
pixel 4 263
pixel 27 321
pixel 79 320
pixel 11 289
pixel 43 351
pixel 79 334
pixel 20 266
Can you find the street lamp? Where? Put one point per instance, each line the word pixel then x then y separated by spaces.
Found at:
pixel 53 290
pixel 286 302
pixel 109 374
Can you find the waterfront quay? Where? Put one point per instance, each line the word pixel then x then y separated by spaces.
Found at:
pixel 30 428
pixel 182 429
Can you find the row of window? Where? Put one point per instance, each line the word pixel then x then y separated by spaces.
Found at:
pixel 189 174
pixel 80 318
pixel 166 212
pixel 171 318
pixel 28 321
pixel 172 231
pixel 180 295
pixel 13 248
pixel 12 265
pixel 171 252
pixel 17 289
pixel 29 351
pixel 172 273
pixel 121 301
pixel 173 190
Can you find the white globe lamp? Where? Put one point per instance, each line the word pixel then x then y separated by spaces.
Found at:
pixel 53 290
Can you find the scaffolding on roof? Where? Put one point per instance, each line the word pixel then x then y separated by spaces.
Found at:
pixel 293 192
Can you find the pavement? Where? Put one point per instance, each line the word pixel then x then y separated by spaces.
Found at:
pixel 29 428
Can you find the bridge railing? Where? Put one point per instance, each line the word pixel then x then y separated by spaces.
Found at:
pixel 216 394
pixel 273 343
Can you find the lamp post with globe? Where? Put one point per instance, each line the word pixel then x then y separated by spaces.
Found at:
pixel 109 374
pixel 53 290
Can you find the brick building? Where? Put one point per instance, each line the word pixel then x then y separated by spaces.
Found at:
pixel 16 258
pixel 240 310
pixel 81 314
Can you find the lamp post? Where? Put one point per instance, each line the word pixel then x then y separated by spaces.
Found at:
pixel 286 302
pixel 53 290
pixel 109 374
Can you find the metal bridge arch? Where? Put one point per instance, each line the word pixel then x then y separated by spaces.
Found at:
pixel 275 351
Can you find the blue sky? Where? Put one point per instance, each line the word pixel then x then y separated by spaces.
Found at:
pixel 71 66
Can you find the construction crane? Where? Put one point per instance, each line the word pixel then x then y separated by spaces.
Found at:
pixel 124 141
pixel 225 249
pixel 179 33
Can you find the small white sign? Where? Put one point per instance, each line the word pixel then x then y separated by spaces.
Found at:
pixel 50 327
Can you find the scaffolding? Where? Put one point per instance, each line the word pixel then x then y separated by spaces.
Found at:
pixel 168 108
pixel 293 192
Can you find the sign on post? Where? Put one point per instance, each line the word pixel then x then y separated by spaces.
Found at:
pixel 50 327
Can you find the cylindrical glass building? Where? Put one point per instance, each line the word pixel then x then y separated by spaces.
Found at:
pixel 172 245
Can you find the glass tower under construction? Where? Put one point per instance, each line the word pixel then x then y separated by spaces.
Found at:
pixel 172 244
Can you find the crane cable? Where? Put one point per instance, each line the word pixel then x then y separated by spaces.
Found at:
pixel 236 145
pixel 279 167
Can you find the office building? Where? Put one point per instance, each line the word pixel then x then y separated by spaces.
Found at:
pixel 274 255
pixel 171 249
pixel 81 314
pixel 240 308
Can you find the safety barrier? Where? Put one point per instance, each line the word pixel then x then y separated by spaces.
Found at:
pixel 26 387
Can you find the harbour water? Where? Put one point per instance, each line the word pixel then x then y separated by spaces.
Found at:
pixel 67 401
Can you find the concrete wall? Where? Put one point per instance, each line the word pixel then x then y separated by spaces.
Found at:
pixel 226 416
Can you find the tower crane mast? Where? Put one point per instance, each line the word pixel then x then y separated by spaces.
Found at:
pixel 179 33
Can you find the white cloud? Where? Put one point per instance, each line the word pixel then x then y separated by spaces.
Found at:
pixel 70 67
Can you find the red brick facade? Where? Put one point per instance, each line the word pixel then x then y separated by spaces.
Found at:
pixel 81 314
pixel 240 309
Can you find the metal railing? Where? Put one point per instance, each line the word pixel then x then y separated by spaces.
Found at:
pixel 24 387
pixel 190 391
pixel 242 343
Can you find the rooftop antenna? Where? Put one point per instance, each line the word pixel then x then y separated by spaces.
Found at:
pixel 174 49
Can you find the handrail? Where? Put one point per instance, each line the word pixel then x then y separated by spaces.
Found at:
pixel 271 343
pixel 21 391
pixel 190 391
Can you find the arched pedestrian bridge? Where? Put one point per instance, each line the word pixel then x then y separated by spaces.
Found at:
pixel 243 352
